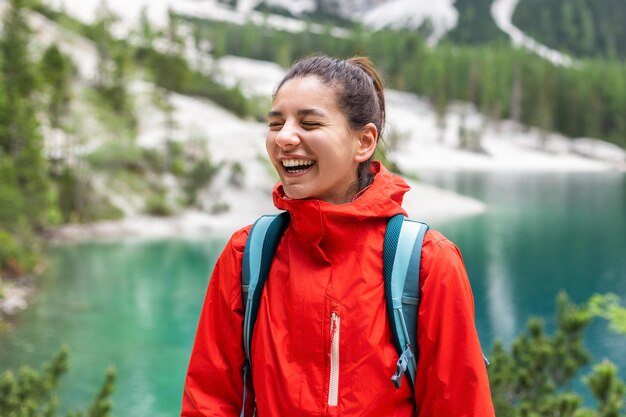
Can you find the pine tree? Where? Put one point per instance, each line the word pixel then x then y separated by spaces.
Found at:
pixel 20 138
pixel 102 405
pixel 114 64
pixel 32 393
pixel 147 33
pixel 532 378
pixel 56 70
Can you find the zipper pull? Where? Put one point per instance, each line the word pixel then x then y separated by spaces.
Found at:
pixel 333 325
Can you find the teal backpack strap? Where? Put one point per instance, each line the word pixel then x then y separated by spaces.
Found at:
pixel 257 259
pixel 401 263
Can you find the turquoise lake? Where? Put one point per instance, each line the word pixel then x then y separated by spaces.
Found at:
pixel 134 304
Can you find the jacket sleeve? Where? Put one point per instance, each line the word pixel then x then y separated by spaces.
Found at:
pixel 451 378
pixel 214 381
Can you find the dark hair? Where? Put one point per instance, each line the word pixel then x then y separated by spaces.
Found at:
pixel 359 90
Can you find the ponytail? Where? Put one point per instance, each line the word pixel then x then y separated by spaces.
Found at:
pixel 365 64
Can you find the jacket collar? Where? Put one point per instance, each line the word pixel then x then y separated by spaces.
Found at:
pixel 316 221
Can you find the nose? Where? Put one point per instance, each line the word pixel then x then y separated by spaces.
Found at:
pixel 287 136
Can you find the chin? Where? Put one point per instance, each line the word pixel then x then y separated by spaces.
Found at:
pixel 300 191
pixel 296 194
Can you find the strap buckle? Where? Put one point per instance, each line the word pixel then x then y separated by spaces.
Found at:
pixel 401 366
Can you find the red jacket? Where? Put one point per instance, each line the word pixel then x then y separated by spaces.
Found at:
pixel 325 284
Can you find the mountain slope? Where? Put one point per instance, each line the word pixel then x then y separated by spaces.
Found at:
pixel 435 17
pixel 581 27
pixel 502 11
pixel 475 24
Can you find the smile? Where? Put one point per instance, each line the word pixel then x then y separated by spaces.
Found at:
pixel 296 166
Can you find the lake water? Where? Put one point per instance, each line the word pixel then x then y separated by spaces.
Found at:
pixel 134 304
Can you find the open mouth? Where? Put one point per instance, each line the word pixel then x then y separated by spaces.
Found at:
pixel 296 166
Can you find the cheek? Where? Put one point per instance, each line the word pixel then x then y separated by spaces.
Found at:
pixel 270 148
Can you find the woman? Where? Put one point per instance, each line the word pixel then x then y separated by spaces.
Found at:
pixel 326 280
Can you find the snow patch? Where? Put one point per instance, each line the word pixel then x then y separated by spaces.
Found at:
pixel 412 14
pixel 296 8
pixel 255 78
pixel 502 13
pixel 128 12
pixel 423 143
pixel 374 14
pixel 157 12
pixel 80 50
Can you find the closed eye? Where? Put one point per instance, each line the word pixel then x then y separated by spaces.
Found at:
pixel 275 125
pixel 311 125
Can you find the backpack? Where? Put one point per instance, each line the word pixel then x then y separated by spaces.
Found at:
pixel 401 261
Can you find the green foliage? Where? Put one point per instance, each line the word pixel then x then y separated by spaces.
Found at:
pixel 475 24
pixel 17 68
pixel 198 177
pixel 608 306
pixel 25 203
pixel 232 3
pixel 176 157
pixel 191 166
pixel 11 197
pixel 237 175
pixel 56 73
pixel 18 253
pixel 157 205
pixel 169 71
pixel 607 388
pixel 113 86
pixel 120 126
pixel 31 393
pixel 199 170
pixel 9 249
pixel 118 155
pixel 532 379
pixel 114 66
pixel 147 33
pixel 219 207
pixel 230 98
pixel 68 184
pixel 584 101
pixel 172 72
pixel 102 404
pixel 20 139
pixel 325 12
pixel 77 203
pixel 581 27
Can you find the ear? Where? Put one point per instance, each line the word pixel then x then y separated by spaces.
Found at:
pixel 368 138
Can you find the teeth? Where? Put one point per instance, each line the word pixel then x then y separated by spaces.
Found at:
pixel 296 162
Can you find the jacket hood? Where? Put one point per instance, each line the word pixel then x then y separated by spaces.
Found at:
pixel 313 219
pixel 383 198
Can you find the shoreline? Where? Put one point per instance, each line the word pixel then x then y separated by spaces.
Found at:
pixel 423 201
pixel 15 297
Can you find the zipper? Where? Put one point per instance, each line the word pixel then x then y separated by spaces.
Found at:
pixel 333 384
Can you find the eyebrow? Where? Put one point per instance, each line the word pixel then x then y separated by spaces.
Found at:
pixel 303 112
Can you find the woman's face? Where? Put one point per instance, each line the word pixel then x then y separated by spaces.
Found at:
pixel 311 144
